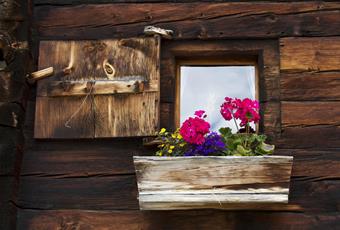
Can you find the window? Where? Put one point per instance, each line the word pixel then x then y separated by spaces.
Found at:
pixel 204 86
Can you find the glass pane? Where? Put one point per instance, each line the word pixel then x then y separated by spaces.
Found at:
pixel 205 87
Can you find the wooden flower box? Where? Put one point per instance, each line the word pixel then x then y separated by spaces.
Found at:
pixel 225 182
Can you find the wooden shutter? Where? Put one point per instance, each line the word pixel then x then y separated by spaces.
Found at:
pixel 104 88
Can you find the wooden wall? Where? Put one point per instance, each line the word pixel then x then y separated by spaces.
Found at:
pixel 14 64
pixel 90 184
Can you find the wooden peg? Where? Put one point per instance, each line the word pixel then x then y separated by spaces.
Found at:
pixel 40 74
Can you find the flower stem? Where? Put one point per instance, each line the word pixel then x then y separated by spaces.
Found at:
pixel 238 129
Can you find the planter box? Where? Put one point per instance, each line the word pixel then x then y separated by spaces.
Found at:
pixel 167 183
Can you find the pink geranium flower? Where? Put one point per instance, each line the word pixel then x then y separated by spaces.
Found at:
pixel 195 128
pixel 246 110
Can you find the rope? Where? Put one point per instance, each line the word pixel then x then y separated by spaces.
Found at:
pixel 67 123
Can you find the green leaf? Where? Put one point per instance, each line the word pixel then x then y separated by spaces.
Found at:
pixel 242 151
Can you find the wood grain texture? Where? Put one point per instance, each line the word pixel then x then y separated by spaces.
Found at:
pixel 98 192
pixel 310 137
pixel 66 174
pixel 166 183
pixel 310 113
pixel 310 54
pixel 119 192
pixel 78 88
pixel 52 116
pixel 95 115
pixel 115 158
pixel 189 20
pixel 309 86
pixel 133 114
pixel 182 220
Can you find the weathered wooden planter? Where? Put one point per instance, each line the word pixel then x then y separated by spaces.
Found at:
pixel 231 182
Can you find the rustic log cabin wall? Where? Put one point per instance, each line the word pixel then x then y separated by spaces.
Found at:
pixel 15 62
pixel 90 184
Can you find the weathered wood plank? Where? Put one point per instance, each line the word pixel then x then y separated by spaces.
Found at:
pixel 63 117
pixel 85 159
pixel 166 183
pixel 190 20
pixel 67 159
pixel 111 87
pixel 95 192
pixel 310 113
pixel 311 163
pixel 134 114
pixel 203 219
pixel 313 137
pixel 310 86
pixel 310 54
pixel 95 115
pixel 77 2
pixel 120 192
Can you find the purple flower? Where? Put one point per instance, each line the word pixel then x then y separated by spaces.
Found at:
pixel 213 144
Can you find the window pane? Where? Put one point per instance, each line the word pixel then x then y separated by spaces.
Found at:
pixel 205 87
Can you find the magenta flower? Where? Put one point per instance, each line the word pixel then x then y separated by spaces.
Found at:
pixel 246 110
pixel 229 107
pixel 195 128
pixel 200 113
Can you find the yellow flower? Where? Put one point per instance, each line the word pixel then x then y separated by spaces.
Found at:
pixel 162 131
pixel 172 147
pixel 182 144
pixel 179 136
pixel 170 151
pixel 173 135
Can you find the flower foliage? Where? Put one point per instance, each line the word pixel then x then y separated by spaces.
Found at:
pixel 194 137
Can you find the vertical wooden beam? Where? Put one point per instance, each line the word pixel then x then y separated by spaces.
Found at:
pixel 14 63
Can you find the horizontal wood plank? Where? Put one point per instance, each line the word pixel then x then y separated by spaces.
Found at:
pixel 104 158
pixel 189 20
pixel 96 192
pixel 204 219
pixel 120 192
pixel 310 54
pixel 74 88
pixel 309 86
pixel 311 163
pixel 313 137
pixel 310 113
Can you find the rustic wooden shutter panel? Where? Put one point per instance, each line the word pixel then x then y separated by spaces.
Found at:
pixel 105 88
